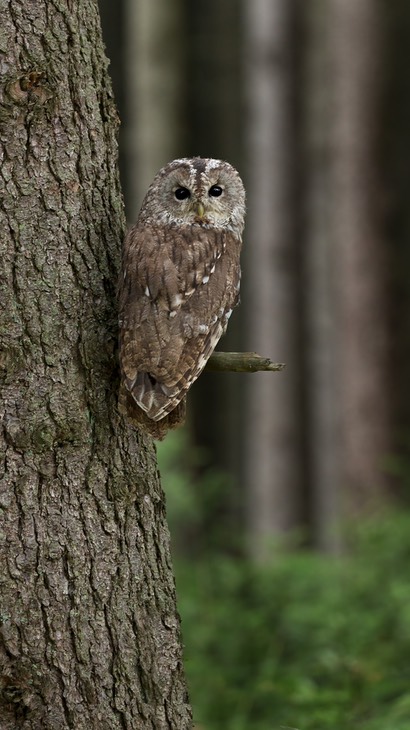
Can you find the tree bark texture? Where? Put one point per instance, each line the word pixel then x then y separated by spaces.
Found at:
pixel 89 633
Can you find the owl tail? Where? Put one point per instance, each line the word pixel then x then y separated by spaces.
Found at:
pixel 155 398
pixel 136 417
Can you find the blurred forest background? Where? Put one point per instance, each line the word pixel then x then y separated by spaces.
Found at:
pixel 310 100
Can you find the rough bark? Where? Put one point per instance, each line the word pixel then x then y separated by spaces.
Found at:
pixel 89 634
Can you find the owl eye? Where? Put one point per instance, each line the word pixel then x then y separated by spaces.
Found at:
pixel 182 193
pixel 215 191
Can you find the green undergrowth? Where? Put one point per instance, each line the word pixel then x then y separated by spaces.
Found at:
pixel 308 642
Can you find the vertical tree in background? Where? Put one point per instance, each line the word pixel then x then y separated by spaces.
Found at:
pixel 214 129
pixel 345 272
pixel 322 429
pixel 272 454
pixel 396 123
pixel 89 630
pixel 356 234
pixel 154 50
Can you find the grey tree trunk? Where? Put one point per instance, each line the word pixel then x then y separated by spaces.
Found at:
pixel 320 284
pixel 214 118
pixel 89 635
pixel 356 229
pixel 272 467
pixel 345 274
pixel 153 89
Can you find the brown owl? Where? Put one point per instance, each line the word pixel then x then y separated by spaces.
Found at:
pixel 180 281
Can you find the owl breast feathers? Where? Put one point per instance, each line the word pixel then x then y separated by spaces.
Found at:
pixel 179 284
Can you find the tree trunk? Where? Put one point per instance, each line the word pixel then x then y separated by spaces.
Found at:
pixel 214 128
pixel 323 429
pixel 345 272
pixel 396 152
pixel 272 466
pixel 90 636
pixel 356 230
pixel 153 81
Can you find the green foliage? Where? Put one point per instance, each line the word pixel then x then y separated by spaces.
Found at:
pixel 309 642
pixel 200 498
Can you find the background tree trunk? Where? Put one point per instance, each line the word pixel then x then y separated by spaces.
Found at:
pixel 90 635
pixel 323 427
pixel 272 448
pixel 153 81
pixel 214 129
pixel 356 226
pixel 395 122
pixel 347 379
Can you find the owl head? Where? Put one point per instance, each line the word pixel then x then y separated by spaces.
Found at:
pixel 196 191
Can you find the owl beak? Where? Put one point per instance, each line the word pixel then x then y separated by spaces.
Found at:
pixel 200 210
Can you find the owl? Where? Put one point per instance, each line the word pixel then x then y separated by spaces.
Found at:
pixel 179 284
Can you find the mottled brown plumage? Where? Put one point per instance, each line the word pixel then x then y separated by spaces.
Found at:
pixel 180 282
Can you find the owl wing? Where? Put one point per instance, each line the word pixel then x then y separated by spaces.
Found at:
pixel 178 291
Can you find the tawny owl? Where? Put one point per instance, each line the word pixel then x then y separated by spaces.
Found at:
pixel 180 281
